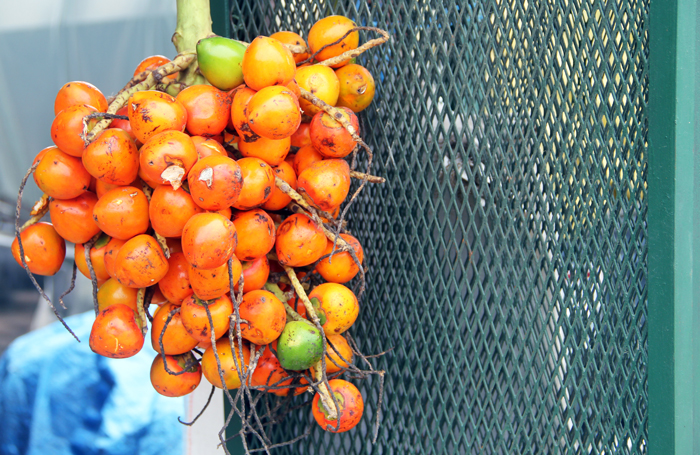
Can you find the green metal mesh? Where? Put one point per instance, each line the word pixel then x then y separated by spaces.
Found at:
pixel 507 250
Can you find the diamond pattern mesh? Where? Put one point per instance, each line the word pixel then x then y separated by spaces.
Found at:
pixel 507 250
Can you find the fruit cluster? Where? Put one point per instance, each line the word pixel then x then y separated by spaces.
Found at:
pixel 219 207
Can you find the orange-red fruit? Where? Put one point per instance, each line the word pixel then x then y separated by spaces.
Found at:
pixel 167 157
pixel 77 92
pixel 280 200
pixel 209 284
pixel 110 257
pixel 67 128
pixel 97 259
pixel 228 365
pixel 124 125
pixel 349 401
pixel 176 340
pixel 112 157
pixel 141 262
pixel 152 63
pixel 116 333
pixel 207 146
pixel 269 372
pixel 265 316
pixel 330 138
pixel 215 182
pixel 356 87
pixel 170 209
pixel 122 212
pixel 175 285
pixel 305 157
pixel 208 240
pixel 286 37
pixel 44 249
pixel 239 114
pixel 273 112
pixel 72 218
pixel 328 30
pixel 325 183
pixel 271 151
pixel 179 385
pixel 208 109
pixel 322 82
pixel 341 268
pixel 338 304
pixel 267 62
pixel 196 320
pixel 300 241
pixel 112 292
pixel 341 345
pixel 151 112
pixel 255 274
pixel 60 175
pixel 256 234
pixel 258 182
pixel 302 136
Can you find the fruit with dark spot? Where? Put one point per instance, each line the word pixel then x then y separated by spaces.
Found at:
pixel 208 240
pixel 122 212
pixel 265 316
pixel 322 82
pixel 325 184
pixel 272 151
pixel 44 249
pixel 175 285
pixel 350 404
pixel 256 233
pixel 196 321
pixel 338 304
pixel 356 87
pixel 170 385
pixel 328 30
pixel 341 268
pixel 300 241
pixel 112 157
pixel 116 333
pixel 273 112
pixel 208 284
pixel 167 157
pixel 151 112
pixel 176 340
pixel 258 181
pixel 140 262
pixel 215 182
pixel 279 199
pixel 329 137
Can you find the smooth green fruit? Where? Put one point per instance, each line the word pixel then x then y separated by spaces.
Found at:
pixel 300 346
pixel 220 60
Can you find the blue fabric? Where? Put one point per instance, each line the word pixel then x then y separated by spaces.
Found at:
pixel 58 397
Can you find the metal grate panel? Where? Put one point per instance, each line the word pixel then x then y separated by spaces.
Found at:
pixel 507 251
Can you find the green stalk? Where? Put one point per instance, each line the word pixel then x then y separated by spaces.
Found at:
pixel 193 24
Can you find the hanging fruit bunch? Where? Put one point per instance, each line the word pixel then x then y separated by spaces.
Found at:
pixel 209 192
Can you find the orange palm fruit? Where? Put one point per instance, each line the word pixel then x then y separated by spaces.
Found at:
pixel 325 184
pixel 300 241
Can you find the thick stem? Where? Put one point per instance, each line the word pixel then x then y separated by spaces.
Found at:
pixel 193 24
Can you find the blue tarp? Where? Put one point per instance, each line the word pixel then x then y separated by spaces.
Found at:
pixel 58 397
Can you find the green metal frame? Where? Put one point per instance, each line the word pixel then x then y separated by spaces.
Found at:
pixel 674 228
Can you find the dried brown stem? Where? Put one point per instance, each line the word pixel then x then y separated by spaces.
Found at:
pixel 141 309
pixel 369 178
pixel 22 256
pixel 93 277
pixel 299 199
pixel 347 55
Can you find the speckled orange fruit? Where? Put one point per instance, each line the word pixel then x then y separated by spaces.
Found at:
pixel 356 87
pixel 232 379
pixel 339 305
pixel 300 241
pixel 151 112
pixel 286 37
pixel 116 333
pixel 280 200
pixel 209 284
pixel 256 233
pixel 44 249
pixel 175 339
pixel 329 137
pixel 341 268
pixel 321 81
pixel 170 385
pixel 258 182
pixel 273 112
pixel 140 262
pixel 196 320
pixel 271 151
pixel 208 240
pixel 325 184
pixel 215 182
pixel 265 315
